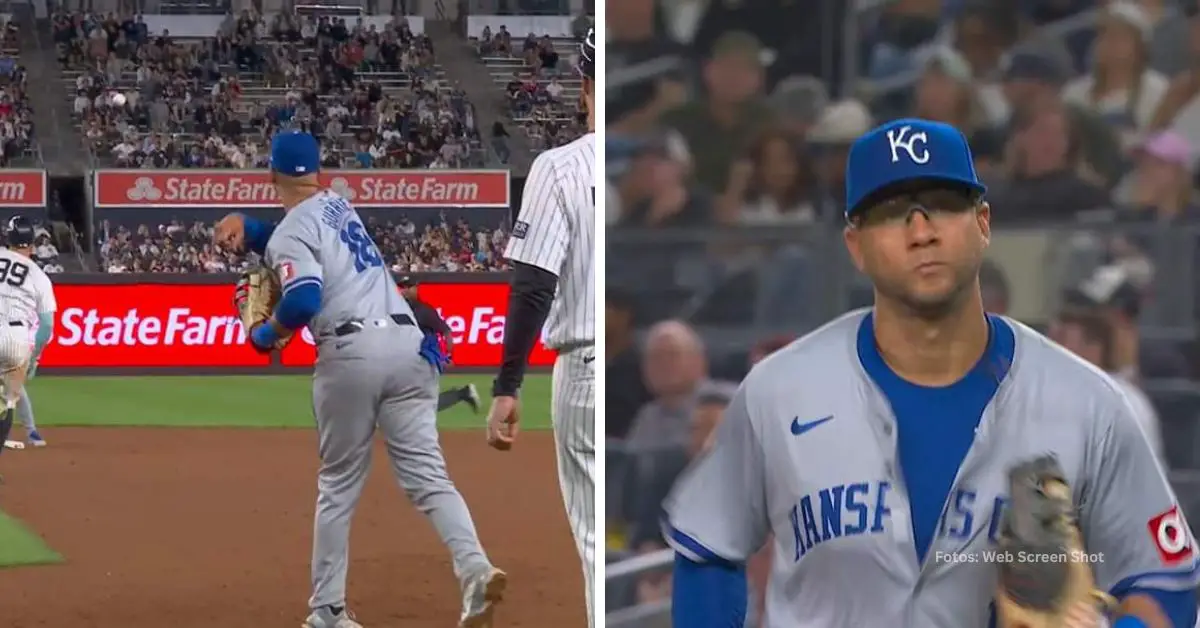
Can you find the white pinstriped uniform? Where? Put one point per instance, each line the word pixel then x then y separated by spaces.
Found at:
pixel 556 232
pixel 25 292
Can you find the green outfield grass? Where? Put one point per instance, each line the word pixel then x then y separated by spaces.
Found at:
pixel 268 401
pixel 237 401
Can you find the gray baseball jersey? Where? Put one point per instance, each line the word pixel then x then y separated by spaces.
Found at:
pixel 835 502
pixel 323 241
pixel 365 379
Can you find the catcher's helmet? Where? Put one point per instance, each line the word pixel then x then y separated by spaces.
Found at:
pixel 587 54
pixel 19 231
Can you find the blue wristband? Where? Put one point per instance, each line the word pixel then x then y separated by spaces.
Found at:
pixel 1129 621
pixel 264 336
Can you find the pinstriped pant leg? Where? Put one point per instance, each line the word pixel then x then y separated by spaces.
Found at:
pixel 574 415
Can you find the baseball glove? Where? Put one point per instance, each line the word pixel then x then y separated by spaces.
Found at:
pixel 254 297
pixel 1045 573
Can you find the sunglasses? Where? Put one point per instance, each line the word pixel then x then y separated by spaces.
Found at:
pixel 933 202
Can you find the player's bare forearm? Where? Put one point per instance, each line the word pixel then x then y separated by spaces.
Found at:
pixel 528 306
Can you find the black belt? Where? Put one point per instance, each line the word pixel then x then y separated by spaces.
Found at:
pixel 353 327
pixel 15 324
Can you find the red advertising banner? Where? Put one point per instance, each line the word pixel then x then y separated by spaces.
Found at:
pixel 192 325
pixel 475 314
pixel 252 188
pixel 22 188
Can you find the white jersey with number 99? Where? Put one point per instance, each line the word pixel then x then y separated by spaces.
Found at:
pixel 25 292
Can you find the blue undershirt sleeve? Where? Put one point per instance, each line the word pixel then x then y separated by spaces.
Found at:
pixel 256 233
pixel 298 305
pixel 1178 606
pixel 708 595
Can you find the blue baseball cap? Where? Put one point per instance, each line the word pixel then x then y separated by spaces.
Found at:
pixel 295 153
pixel 906 150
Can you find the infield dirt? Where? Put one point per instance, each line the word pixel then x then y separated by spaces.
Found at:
pixel 212 527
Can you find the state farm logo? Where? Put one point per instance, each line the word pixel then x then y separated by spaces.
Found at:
pixel 143 190
pixel 22 188
pixel 246 188
pixel 180 326
pixel 342 188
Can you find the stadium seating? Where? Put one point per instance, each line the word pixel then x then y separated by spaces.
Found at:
pixel 221 101
pixel 410 241
pixel 18 147
pixel 540 82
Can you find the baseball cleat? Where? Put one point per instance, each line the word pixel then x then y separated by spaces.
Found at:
pixel 480 597
pixel 471 396
pixel 36 439
pixel 325 618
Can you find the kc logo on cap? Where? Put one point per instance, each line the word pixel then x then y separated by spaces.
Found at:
pixel 907 139
pixel 907 150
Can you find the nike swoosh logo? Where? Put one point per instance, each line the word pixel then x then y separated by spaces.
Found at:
pixel 588 359
pixel 799 428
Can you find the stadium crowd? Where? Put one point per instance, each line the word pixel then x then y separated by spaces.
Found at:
pixel 408 243
pixel 1083 116
pixel 539 98
pixel 374 96
pixel 16 117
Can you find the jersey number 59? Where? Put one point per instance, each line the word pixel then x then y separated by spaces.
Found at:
pixel 13 273
pixel 359 242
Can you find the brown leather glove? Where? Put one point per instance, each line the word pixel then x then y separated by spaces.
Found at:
pixel 255 296
pixel 1044 573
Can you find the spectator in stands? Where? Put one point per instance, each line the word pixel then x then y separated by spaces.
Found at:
pixel 773 187
pixel 1122 86
pixel 626 389
pixel 1180 107
pixel 674 367
pixel 1046 181
pixel 983 34
pixel 797 102
pixel 1090 336
pixel 946 93
pixel 1112 292
pixel 904 27
pixel 1033 80
pixel 718 128
pixel 1160 188
pixel 653 190
pixel 830 140
pixel 547 56
pixel 184 90
pixel 184 246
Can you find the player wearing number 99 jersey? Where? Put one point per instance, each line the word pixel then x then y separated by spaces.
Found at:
pixel 27 307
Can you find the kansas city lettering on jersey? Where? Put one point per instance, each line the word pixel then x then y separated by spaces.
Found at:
pixel 848 510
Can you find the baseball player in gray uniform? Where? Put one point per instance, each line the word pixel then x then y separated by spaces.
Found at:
pixel 373 370
pixel 874 452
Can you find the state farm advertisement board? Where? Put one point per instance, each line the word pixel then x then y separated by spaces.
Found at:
pixel 182 325
pixel 253 188
pixel 475 314
pixel 22 188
